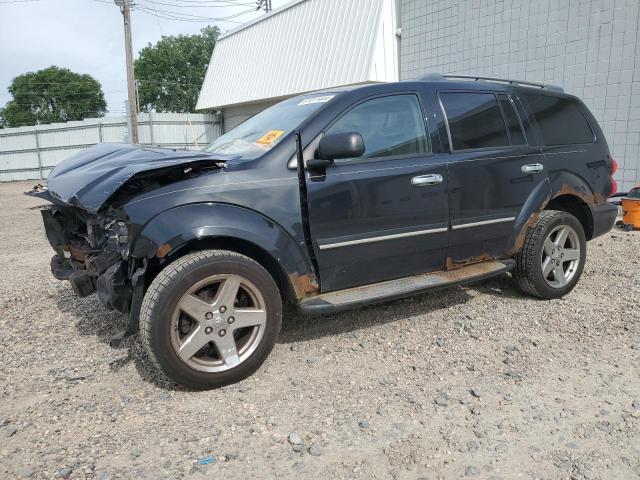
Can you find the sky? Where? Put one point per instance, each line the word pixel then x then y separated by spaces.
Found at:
pixel 87 36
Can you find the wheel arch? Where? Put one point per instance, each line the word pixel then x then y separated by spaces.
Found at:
pixel 181 230
pixel 243 247
pixel 577 207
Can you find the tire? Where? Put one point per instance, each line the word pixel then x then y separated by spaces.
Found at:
pixel 190 303
pixel 538 256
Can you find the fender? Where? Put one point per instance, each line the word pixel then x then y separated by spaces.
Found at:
pixel 172 229
pixel 560 183
pixel 567 183
pixel 528 215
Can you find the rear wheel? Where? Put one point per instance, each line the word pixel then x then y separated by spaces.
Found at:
pixel 210 318
pixel 553 255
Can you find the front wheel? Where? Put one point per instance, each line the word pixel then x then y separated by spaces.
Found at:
pixel 553 255
pixel 210 318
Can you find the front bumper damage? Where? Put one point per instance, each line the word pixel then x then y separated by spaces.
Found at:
pixel 91 253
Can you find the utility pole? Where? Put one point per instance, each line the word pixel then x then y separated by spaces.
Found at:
pixel 131 86
pixel 266 4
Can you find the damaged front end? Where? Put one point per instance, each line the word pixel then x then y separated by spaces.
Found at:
pixel 91 253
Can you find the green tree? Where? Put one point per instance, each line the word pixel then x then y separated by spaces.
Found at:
pixel 170 73
pixel 52 95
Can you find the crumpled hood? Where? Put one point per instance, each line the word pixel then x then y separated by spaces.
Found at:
pixel 90 177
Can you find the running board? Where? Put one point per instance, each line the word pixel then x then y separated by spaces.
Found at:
pixel 402 287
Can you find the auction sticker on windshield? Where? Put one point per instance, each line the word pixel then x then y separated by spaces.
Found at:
pixel 270 137
pixel 312 100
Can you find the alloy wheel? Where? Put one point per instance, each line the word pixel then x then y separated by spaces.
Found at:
pixel 560 257
pixel 218 323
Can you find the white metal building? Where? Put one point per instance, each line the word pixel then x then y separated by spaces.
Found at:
pixel 306 45
pixel 590 47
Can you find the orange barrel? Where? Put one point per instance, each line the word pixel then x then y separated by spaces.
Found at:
pixel 631 212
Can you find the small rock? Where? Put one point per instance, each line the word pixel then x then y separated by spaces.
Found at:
pixel 298 448
pixel 312 360
pixel 164 395
pixel 363 423
pixel 442 400
pixel 472 446
pixel 64 472
pixel 572 445
pixel 271 421
pixel 295 439
pixel 295 347
pixel 135 453
pixel 476 392
pixel 10 430
pixel 103 475
pixel 315 450
pixel 511 349
pixel 471 470
pixel 244 388
pixel 440 342
pixel 24 472
pixel 501 448
pixel 636 404
pixel 514 375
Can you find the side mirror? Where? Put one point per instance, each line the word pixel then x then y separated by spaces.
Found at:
pixel 341 145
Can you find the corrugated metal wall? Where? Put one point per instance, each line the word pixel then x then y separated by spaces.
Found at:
pixel 306 45
pixel 28 153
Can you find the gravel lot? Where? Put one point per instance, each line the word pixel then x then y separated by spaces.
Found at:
pixel 480 382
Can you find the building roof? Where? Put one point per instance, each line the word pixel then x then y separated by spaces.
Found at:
pixel 303 46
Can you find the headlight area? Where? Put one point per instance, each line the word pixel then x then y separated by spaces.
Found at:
pixel 91 253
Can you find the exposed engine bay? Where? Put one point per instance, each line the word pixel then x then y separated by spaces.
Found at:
pixel 90 253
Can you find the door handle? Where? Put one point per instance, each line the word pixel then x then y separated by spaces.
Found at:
pixel 532 168
pixel 424 180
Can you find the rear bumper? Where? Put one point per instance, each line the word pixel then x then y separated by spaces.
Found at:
pixel 604 216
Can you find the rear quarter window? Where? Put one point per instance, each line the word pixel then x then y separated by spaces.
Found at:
pixel 475 120
pixel 560 120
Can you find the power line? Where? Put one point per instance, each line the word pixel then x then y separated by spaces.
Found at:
pixel 185 17
pixel 204 5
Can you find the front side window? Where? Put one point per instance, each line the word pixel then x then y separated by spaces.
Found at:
pixel 560 120
pixel 390 126
pixel 475 120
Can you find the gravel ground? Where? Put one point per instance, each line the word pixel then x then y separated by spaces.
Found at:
pixel 477 382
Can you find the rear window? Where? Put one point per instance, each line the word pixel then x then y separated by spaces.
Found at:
pixel 476 120
pixel 561 120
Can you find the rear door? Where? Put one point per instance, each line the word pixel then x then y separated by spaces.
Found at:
pixel 384 215
pixel 492 171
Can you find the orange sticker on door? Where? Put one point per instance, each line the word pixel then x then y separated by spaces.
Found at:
pixel 270 137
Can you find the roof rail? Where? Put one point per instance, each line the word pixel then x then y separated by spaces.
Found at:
pixel 434 77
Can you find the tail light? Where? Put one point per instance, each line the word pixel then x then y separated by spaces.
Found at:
pixel 614 169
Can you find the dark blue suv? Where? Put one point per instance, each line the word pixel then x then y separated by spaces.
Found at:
pixel 331 200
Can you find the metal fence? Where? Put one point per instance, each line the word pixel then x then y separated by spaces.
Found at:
pixel 28 153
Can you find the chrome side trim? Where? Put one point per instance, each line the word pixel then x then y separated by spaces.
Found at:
pixel 484 222
pixel 328 246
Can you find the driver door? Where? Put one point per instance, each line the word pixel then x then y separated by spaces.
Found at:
pixel 383 215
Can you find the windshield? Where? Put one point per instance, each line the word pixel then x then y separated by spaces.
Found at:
pixel 261 133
